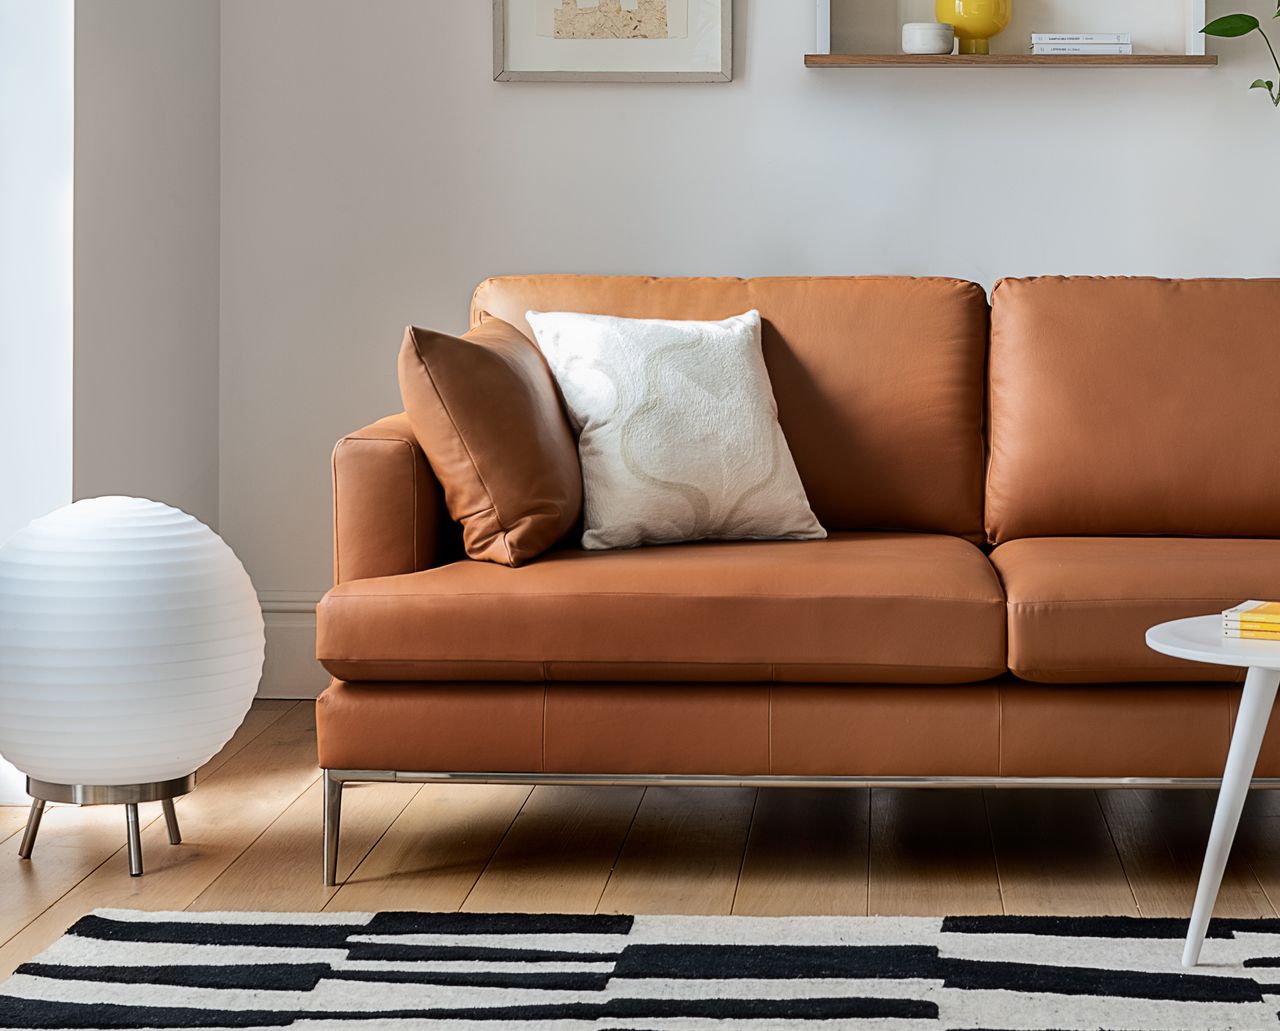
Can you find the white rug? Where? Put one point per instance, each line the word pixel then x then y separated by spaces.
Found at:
pixel 125 969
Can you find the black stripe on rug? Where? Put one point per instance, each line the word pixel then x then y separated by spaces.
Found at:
pixel 1100 926
pixel 567 982
pixel 389 953
pixel 335 936
pixel 850 1008
pixel 282 977
pixel 725 962
pixel 182 932
pixel 38 1015
pixel 497 923
pixel 720 1009
pixel 977 975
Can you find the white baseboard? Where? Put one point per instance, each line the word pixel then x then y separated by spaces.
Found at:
pixel 13 786
pixel 291 670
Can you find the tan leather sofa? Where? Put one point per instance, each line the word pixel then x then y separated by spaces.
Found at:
pixel 1015 492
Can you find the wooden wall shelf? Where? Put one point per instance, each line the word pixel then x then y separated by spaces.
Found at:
pixel 1008 61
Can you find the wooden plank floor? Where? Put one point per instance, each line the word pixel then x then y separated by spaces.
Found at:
pixel 252 841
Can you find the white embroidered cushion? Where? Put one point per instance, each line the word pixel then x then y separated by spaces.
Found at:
pixel 679 435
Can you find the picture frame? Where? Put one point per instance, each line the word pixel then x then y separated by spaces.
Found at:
pixel 525 51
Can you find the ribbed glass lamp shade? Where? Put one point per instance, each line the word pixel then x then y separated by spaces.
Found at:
pixel 131 644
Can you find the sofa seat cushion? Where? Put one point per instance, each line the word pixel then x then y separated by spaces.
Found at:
pixel 1079 608
pixel 855 608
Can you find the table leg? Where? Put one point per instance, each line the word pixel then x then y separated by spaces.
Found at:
pixel 1251 724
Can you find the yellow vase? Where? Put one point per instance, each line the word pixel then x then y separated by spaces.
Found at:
pixel 975 21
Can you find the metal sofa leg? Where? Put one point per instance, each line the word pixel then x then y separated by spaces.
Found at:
pixel 332 823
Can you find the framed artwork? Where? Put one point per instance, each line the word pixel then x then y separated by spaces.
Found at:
pixel 613 40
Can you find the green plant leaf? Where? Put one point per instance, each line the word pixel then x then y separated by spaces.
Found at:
pixel 1232 25
pixel 1262 84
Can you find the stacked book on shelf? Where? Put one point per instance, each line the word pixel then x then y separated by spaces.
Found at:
pixel 1253 620
pixel 1081 43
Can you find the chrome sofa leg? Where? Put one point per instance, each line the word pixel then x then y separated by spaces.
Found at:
pixel 171 821
pixel 332 822
pixel 33 828
pixel 135 839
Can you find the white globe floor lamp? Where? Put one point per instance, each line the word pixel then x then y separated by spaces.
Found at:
pixel 131 646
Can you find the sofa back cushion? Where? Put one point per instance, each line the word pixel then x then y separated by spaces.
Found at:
pixel 879 381
pixel 1133 407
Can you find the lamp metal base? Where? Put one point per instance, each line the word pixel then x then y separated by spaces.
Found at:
pixel 127 795
pixel 110 794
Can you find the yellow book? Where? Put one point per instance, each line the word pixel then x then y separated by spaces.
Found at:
pixel 1255 612
pixel 1252 635
pixel 1262 628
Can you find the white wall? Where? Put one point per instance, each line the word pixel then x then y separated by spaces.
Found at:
pixel 372 173
pixel 37 45
pixel 146 251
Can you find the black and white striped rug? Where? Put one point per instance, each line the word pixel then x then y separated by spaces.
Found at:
pixel 125 969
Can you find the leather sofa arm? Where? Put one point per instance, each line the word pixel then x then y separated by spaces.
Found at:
pixel 387 505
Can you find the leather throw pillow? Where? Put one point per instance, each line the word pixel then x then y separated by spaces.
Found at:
pixel 485 411
pixel 679 436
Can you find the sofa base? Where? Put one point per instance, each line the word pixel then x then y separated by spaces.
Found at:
pixel 998 729
pixel 334 780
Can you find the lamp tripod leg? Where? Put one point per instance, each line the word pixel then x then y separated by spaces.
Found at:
pixel 171 821
pixel 135 839
pixel 33 828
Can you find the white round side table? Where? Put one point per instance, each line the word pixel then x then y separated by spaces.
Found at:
pixel 1200 639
